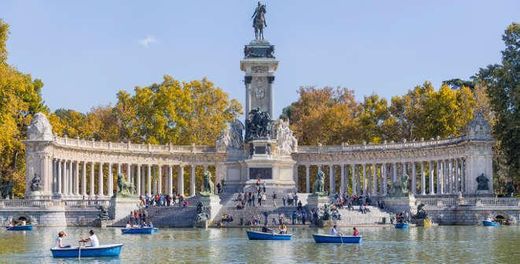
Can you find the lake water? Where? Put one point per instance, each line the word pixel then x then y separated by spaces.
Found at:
pixel 441 244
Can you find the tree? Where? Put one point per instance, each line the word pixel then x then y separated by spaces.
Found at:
pixel 325 116
pixel 20 99
pixel 374 112
pixel 503 87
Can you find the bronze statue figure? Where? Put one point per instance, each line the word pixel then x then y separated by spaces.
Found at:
pixel 208 187
pixel 482 183
pixel 319 184
pixel 36 183
pixel 259 21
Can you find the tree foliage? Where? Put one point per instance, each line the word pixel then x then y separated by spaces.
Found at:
pixel 167 112
pixel 503 87
pixel 20 99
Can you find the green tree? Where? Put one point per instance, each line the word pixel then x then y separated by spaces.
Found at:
pixel 503 87
pixel 20 99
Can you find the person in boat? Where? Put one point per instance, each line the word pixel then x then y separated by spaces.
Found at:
pixel 283 229
pixel 334 231
pixel 355 232
pixel 23 223
pixel 128 225
pixel 143 224
pixel 266 229
pixel 94 241
pixel 150 224
pixel 59 240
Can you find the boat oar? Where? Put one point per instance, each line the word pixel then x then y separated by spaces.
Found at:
pixel 79 251
pixel 341 237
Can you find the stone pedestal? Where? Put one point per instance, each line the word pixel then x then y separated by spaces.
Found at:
pixel 121 207
pixel 213 204
pixel 401 204
pixel 316 201
pixel 275 171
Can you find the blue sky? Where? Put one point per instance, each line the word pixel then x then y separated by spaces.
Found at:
pixel 86 51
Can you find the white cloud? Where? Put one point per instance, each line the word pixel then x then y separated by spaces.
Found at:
pixel 149 40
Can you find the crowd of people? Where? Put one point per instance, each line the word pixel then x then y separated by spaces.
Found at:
pixel 153 200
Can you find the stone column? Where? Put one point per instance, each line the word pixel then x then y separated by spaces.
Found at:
pixel 66 171
pixel 159 174
pixel 295 178
pixel 439 178
pixel 76 178
pixel 394 173
pixel 457 176
pixel 342 180
pixel 119 169
pixel 138 180
pixel 92 178
pixel 414 179
pixel 423 179
pixel 180 180
pixel 192 180
pixel 448 176
pixel 384 181
pixel 354 183
pixel 84 179
pixel 110 191
pixel 374 179
pixel 149 180
pixel 129 172
pixel 332 183
pixel 100 179
pixel 170 180
pixel 58 189
pixel 364 191
pixel 432 175
pixel 307 179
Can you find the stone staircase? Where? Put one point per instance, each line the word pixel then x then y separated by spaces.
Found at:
pixel 355 217
pixel 173 216
pixel 273 207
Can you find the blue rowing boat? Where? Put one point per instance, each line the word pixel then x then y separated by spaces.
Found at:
pixel 490 223
pixel 320 238
pixel 19 228
pixel 84 252
pixel 140 230
pixel 256 235
pixel 401 225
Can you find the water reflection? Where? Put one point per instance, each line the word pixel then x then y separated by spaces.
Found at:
pixel 462 244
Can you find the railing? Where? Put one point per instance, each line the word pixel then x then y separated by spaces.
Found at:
pixel 471 201
pixel 72 203
pixel 115 146
pixel 384 146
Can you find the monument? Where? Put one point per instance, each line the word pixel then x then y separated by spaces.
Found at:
pixel 268 143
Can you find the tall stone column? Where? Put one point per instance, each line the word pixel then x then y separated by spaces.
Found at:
pixel 364 191
pixel 138 180
pixel 100 179
pixel 374 179
pixel 159 184
pixel 110 191
pixel 149 180
pixel 432 176
pixel 84 179
pixel 192 180
pixel 180 180
pixel 119 169
pixel 332 182
pixel 384 181
pixel 354 182
pixel 457 176
pixel 66 177
pixel 170 180
pixel 414 179
pixel 58 190
pixel 76 178
pixel 439 178
pixel 342 180
pixel 92 179
pixel 129 172
pixel 307 179
pixel 423 179
pixel 394 172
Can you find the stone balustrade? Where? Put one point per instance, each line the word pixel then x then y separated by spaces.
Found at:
pixel 115 146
